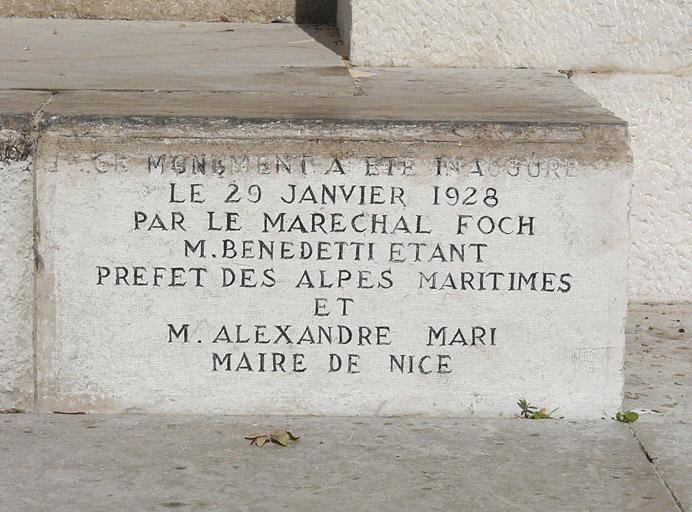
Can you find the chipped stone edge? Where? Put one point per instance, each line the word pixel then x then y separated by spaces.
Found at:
pixel 596 141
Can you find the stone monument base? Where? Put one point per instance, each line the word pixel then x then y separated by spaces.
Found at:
pixel 327 241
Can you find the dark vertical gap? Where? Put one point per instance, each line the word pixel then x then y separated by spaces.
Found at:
pixel 322 12
pixel 317 18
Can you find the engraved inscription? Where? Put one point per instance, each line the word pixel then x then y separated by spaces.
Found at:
pixel 333 237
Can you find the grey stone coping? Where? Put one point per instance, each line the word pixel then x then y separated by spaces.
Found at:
pixel 263 71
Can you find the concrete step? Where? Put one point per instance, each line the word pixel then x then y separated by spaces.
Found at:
pixel 513 184
pixel 249 11
pixel 158 463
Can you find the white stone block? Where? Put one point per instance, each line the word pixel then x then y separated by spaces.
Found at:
pixel 539 206
pixel 658 110
pixel 588 35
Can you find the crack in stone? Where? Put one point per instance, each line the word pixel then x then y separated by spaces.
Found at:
pixel 652 460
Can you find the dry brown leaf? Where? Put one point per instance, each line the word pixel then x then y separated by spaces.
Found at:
pixel 280 437
pixel 258 440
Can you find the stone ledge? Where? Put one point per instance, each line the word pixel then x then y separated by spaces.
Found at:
pixel 265 71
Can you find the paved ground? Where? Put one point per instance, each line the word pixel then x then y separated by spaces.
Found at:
pixel 132 463
pixel 101 463
pixel 658 370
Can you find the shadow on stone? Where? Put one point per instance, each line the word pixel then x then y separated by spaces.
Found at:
pixel 318 19
pixel 327 36
pixel 316 11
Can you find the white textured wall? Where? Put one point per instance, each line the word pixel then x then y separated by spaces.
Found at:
pixel 659 110
pixel 634 57
pixel 637 35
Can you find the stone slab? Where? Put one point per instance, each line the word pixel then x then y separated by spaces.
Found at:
pixel 634 36
pixel 91 183
pixel 283 70
pixel 253 11
pixel 53 54
pixel 101 463
pixel 524 100
pixel 21 105
pixel 16 251
pixel 657 109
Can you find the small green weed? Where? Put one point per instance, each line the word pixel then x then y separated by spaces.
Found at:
pixel 532 412
pixel 627 416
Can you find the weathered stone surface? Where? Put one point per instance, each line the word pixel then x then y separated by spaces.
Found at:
pixel 257 11
pixel 232 57
pixel 658 361
pixel 658 383
pixel 340 464
pixel 559 340
pixel 603 36
pixel 428 107
pixel 16 251
pixel 657 109
pixel 669 446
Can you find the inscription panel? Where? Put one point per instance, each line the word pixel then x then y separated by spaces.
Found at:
pixel 242 283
